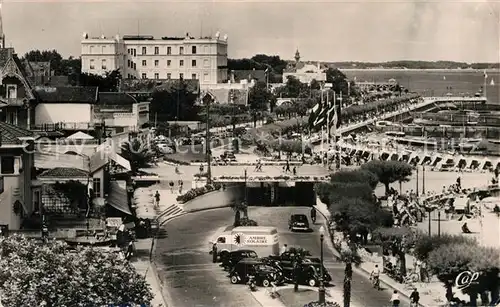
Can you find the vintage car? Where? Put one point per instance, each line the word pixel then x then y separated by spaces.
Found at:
pixel 263 274
pixel 298 222
pixel 230 259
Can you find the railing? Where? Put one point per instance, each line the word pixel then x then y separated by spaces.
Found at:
pixel 63 126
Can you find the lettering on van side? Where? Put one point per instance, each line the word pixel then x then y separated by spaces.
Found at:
pixel 257 240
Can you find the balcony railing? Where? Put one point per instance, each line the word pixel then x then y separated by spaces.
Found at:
pixel 63 126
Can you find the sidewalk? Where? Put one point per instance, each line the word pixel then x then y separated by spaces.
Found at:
pixel 143 266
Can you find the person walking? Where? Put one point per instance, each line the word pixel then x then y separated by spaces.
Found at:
pixel 157 199
pixel 395 299
pixel 181 184
pixel 414 298
pixel 214 252
pixel 287 167
pixel 171 184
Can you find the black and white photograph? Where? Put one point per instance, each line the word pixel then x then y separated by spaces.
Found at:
pixel 241 153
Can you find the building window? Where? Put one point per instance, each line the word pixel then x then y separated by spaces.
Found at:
pixel 144 63
pixel 181 63
pixel 169 76
pixel 103 64
pixel 169 62
pixel 135 65
pixel 143 50
pixel 181 76
pixel 144 75
pixel 169 50
pixel 206 63
pixel 206 77
pixel 128 63
pixel 103 49
pixel 129 51
pixel 135 52
pixel 92 66
pixel 157 75
pixel 193 63
pixel 7 165
pixel 96 186
pixel 193 76
pixel 91 49
pixel 157 50
pixel 181 50
pixel 157 63
pixel 193 49
pixel 12 91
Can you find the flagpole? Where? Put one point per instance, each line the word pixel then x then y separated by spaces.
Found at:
pixel 334 111
pixel 485 78
pixel 322 130
pixel 338 133
pixel 327 130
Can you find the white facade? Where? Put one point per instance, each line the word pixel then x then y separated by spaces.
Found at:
pixel 306 74
pixel 52 113
pixel 144 57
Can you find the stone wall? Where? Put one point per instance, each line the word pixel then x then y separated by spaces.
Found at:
pixel 216 199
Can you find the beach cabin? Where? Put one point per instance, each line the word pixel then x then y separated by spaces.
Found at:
pixel 447 164
pixel 414 158
pixel 435 160
pixel 474 163
pixel 461 162
pixel 426 159
pixel 485 164
pixel 394 156
pixel 384 156
pixel 405 157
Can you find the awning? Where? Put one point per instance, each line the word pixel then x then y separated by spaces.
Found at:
pixel 117 198
pixel 80 136
pixel 120 161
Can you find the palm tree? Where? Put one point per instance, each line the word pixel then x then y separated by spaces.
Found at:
pixel 137 153
pixel 349 256
pixel 239 208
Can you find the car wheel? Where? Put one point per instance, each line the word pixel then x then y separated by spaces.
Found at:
pixel 234 279
pixel 312 282
pixel 266 283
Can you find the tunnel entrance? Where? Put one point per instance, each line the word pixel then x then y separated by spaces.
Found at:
pixel 281 194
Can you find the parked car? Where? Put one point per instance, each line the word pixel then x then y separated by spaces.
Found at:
pixel 309 274
pixel 263 273
pixel 229 260
pixel 298 222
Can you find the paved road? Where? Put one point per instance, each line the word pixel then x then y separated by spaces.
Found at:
pixel 192 280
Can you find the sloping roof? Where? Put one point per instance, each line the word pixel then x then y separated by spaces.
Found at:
pixel 58 81
pixel 149 86
pixel 63 172
pixel 5 55
pixel 12 135
pixel 117 197
pixel 116 99
pixel 223 96
pixel 67 94
pixel 80 136
pixel 259 75
pixel 50 160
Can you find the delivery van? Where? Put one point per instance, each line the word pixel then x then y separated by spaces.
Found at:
pixel 261 239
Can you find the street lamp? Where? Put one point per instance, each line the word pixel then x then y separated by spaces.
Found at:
pixel 321 291
pixel 207 100
pixel 246 195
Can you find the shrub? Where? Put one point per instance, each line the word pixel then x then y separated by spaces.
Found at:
pixel 247 222
pixel 425 244
pixel 176 161
pixel 193 193
pixel 318 304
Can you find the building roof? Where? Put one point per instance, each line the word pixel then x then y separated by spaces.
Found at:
pixel 149 86
pixel 7 54
pixel 224 95
pixel 259 75
pixel 67 94
pixel 64 172
pixel 113 98
pixel 13 135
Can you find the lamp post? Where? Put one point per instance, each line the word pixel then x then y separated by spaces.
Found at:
pixel 207 100
pixel 417 182
pixel 439 223
pixel 321 290
pixel 423 179
pixel 246 194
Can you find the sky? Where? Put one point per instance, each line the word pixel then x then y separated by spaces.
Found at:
pixel 328 30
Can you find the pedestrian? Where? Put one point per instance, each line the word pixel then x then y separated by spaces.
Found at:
pixel 294 171
pixel 157 199
pixel 171 184
pixel 284 249
pixel 214 252
pixel 287 166
pixel 395 299
pixel 181 184
pixel 414 298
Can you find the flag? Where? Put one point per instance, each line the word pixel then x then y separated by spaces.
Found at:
pixel 266 71
pixel 334 123
pixel 485 74
pixel 320 119
pixel 315 112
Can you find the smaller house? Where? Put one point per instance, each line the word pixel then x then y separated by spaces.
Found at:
pixel 65 108
pixel 248 75
pixel 304 72
pixel 121 112
pixel 16 165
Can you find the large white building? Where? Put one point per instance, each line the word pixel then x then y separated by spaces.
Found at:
pixel 144 57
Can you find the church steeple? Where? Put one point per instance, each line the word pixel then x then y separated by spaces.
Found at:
pixel 297 56
pixel 2 35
